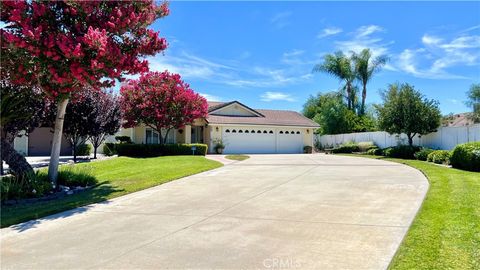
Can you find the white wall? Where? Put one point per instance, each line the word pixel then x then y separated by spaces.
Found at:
pixel 445 138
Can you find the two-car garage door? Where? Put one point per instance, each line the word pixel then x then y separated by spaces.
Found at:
pixel 244 140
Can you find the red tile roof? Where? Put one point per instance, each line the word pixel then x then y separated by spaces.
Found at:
pixel 270 117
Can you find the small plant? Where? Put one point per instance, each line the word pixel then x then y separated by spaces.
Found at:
pixel 84 150
pixel 423 154
pixel 375 152
pixel 439 157
pixel 365 146
pixel 401 151
pixel 123 139
pixel 29 186
pixel 307 149
pixel 219 146
pixel 466 156
pixel 347 148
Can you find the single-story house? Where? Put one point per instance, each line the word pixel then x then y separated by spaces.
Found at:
pixel 241 128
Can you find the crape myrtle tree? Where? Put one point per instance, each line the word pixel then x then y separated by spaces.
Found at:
pixel 106 120
pixel 161 101
pixel 63 46
pixel 406 110
pixel 23 108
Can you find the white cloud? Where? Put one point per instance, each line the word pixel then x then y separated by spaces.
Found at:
pixel 363 39
pixel 211 97
pixel 330 31
pixel 276 96
pixel 281 19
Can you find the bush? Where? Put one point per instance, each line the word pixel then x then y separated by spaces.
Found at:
pixel 155 150
pixel 423 154
pixel 401 151
pixel 466 156
pixel 365 146
pixel 375 152
pixel 348 148
pixel 439 157
pixel 123 139
pixel 31 186
pixel 307 149
pixel 84 150
pixel 110 149
pixel 72 175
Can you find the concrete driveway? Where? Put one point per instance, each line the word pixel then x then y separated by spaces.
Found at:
pixel 268 212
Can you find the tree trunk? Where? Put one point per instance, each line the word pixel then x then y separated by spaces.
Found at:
pixel 57 142
pixel 410 139
pixel 95 151
pixel 16 162
pixel 349 97
pixel 364 97
pixel 166 136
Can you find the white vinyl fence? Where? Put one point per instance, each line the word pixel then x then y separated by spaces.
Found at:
pixel 445 138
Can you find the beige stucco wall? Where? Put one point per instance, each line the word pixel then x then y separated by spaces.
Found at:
pixel 234 109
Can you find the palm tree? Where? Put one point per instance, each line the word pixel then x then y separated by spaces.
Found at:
pixel 365 67
pixel 341 67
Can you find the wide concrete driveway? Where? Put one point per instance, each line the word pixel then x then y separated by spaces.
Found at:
pixel 268 212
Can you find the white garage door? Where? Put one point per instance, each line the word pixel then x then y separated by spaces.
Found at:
pixel 245 140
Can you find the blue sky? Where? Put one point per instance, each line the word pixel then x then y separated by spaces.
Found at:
pixel 262 53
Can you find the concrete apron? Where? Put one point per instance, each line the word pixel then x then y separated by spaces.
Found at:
pixel 268 212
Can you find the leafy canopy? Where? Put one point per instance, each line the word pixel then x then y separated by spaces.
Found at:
pixel 406 110
pixel 473 96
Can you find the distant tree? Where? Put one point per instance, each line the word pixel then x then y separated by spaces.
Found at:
pixel 365 66
pixel 105 121
pixel 23 108
pixel 64 46
pixel 334 117
pixel 406 110
pixel 474 101
pixel 340 66
pixel 161 101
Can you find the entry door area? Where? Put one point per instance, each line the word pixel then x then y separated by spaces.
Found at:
pixel 244 140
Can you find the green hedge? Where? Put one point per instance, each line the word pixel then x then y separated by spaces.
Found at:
pixel 375 152
pixel 346 148
pixel 155 150
pixel 439 157
pixel 84 150
pixel 423 154
pixel 401 151
pixel 466 156
pixel 110 149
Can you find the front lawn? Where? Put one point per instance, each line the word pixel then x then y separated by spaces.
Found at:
pixel 116 177
pixel 446 231
pixel 237 157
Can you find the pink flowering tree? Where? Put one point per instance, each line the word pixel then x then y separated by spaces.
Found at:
pixel 64 46
pixel 161 101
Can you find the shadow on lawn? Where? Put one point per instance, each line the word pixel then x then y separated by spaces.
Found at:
pixel 36 213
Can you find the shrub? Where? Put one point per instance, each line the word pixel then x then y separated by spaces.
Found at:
pixel 110 149
pixel 155 150
pixel 35 185
pixel 72 175
pixel 365 146
pixel 466 156
pixel 307 149
pixel 423 154
pixel 84 150
pixel 439 157
pixel 123 139
pixel 375 152
pixel 401 151
pixel 348 147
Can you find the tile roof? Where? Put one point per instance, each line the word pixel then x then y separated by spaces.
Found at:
pixel 457 120
pixel 270 117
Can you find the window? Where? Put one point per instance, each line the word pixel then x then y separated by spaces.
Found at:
pixel 281 132
pixel 240 131
pixel 227 131
pixel 271 132
pixel 234 131
pixel 246 131
pixel 259 131
pixel 265 131
pixel 152 137
pixel 298 132
pixel 286 132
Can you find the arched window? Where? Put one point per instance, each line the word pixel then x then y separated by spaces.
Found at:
pixel 253 131
pixel 234 131
pixel 246 131
pixel 227 131
pixel 259 131
pixel 298 132
pixel 281 132
pixel 271 132
pixel 240 131
pixel 265 131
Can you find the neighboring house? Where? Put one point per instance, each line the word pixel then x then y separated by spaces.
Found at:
pixel 241 129
pixel 457 120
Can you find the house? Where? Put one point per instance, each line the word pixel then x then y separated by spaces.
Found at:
pixel 242 130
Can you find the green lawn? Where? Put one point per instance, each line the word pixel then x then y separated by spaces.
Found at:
pixel 446 231
pixel 116 177
pixel 237 157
